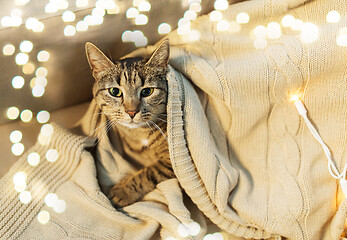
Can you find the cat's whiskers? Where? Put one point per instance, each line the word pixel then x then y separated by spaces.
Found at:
pixel 158 128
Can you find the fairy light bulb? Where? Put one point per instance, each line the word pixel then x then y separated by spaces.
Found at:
pixel 18 82
pixel 12 113
pixel 8 49
pixel 26 46
pixel 33 159
pixel 43 56
pixel 242 18
pixel 43 217
pixel 16 136
pixel 333 16
pixel 164 28
pixel 68 16
pixel 22 58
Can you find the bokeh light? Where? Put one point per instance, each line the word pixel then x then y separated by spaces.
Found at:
pixel 26 115
pixel 8 49
pixel 33 159
pixel 81 3
pixel 68 16
pixel 164 28
pixel 25 197
pixel 333 16
pixel 132 12
pixel 69 31
pixel 52 155
pixel 81 26
pixel 43 56
pixel 38 91
pixel 273 30
pixel 28 68
pixel 59 206
pixel 19 178
pixel 47 130
pixel 223 26
pixel 41 72
pixel 141 19
pixel 288 20
pixel 144 6
pixel 51 199
pixel 17 149
pixel 26 46
pixel 43 116
pixel 216 16
pixel 22 58
pixel 43 217
pixel 242 18
pixel 221 4
pixel 309 32
pixel 18 82
pixel 16 136
pixel 12 113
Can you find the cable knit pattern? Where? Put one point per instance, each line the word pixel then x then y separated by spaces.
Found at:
pixel 238 146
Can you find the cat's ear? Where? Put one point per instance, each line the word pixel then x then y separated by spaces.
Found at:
pixel 97 60
pixel 160 56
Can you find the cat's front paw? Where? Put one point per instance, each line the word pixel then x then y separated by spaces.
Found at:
pixel 122 196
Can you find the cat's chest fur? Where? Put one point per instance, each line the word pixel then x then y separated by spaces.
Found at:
pixel 144 146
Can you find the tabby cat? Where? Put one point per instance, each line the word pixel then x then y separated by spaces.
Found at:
pixel 132 93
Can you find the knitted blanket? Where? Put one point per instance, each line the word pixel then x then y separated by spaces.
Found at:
pixel 245 158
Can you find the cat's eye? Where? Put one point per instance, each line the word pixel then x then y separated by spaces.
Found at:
pixel 115 92
pixel 147 92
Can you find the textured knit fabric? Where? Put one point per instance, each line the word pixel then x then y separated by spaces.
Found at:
pixel 238 147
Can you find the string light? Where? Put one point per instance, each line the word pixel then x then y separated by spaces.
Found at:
pixel 221 4
pixel 81 26
pixel 25 197
pixel 47 130
pixel 21 2
pixel 28 68
pixel 273 30
pixel 141 19
pixel 309 32
pixel 51 199
pixel 26 115
pixel 22 58
pixel 214 236
pixel 331 165
pixel 68 16
pixel 69 31
pixel 41 72
pixel 52 155
pixel 81 3
pixel 132 12
pixel 216 16
pixel 17 149
pixel 144 6
pixel 288 20
pixel 43 116
pixel 223 26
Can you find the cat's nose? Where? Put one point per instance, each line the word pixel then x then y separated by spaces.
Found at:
pixel 132 113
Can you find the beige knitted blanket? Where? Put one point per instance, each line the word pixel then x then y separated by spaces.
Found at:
pixel 238 146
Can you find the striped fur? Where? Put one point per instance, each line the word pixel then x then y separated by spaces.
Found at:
pixel 139 119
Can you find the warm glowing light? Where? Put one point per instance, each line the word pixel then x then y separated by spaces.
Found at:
pixel 195 6
pixel 132 13
pixel 100 12
pixel 309 33
pixel 51 8
pixel 51 199
pixel 26 115
pixel 69 31
pixel 31 23
pixel 43 56
pixel 68 16
pixel 52 155
pixel 164 28
pixel 194 228
pixel 59 206
pixel 38 91
pixel 33 159
pixel 43 116
pixel 114 10
pixel 216 16
pixel 137 35
pixel 20 188
pixel 22 58
pixel 191 15
pixel 223 25
pixel 81 26
pixel 81 3
pixel 141 19
pixel 260 32
pixel 19 178
pixel 126 36
pixel 214 236
pixel 12 113
pixel 333 17
pixel 16 136
pixel 144 6
pixel 18 82
pixel 21 2
pixel 17 149
pixel 47 130
pixel 182 230
pixel 221 4
pixel 63 4
pixel 42 81
pixel 288 20
pixel 16 12
pixel 297 25
pixel 342 40
pixel 8 50
pixel 194 36
pixel 294 97
pixel 242 18
pixel 25 197
pixel 43 217
pixel 26 46
pixel 142 42
pixel 28 68
pixel 39 27
pixel 273 30
pixel 6 21
pixel 41 72
pixel 43 140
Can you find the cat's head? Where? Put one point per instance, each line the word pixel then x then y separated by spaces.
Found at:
pixel 131 92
